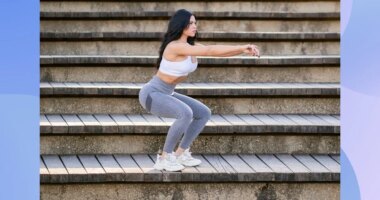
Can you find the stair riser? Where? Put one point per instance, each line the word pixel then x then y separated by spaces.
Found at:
pixel 114 144
pixel 208 74
pixel 204 25
pixel 193 191
pixel 151 47
pixel 260 6
pixel 219 105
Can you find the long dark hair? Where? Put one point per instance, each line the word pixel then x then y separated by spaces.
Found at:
pixel 178 22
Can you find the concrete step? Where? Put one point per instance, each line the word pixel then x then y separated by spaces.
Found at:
pixel 202 36
pixel 156 21
pixel 132 168
pixel 301 69
pixel 222 98
pixel 143 60
pixel 119 133
pixel 293 6
pixel 147 43
pixel 221 176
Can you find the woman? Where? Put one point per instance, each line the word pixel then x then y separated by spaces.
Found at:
pixel 176 60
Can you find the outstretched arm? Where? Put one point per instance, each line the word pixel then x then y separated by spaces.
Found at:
pixel 211 50
pixel 226 54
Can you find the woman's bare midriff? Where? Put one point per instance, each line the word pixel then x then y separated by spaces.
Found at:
pixel 170 79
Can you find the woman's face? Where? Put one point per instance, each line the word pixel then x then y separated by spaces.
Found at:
pixel 192 27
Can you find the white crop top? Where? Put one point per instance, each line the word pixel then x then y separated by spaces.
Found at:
pixel 177 68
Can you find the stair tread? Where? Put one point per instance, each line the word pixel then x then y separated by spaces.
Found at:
pixel 150 124
pixel 214 168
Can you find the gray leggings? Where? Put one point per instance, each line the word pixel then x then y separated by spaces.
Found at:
pixel 159 98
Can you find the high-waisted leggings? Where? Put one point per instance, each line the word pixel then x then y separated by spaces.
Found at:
pixel 159 98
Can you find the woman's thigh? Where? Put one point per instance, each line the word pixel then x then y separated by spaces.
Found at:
pixel 199 109
pixel 165 105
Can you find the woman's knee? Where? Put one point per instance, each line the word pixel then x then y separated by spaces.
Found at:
pixel 204 113
pixel 186 113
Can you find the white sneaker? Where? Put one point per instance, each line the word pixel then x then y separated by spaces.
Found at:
pixel 169 163
pixel 187 160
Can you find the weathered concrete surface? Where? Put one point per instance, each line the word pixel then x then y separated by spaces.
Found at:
pixel 251 191
pixel 232 74
pixel 228 105
pixel 259 6
pixel 268 143
pixel 204 25
pixel 150 47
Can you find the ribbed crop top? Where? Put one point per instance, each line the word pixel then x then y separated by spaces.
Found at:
pixel 177 68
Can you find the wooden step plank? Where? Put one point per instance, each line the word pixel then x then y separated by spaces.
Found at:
pixel 330 119
pixel 89 120
pixel 72 164
pixel 336 158
pixel 138 120
pixel 235 120
pixel 91 124
pixel 311 163
pixel 168 121
pixel 91 164
pixel 267 120
pixel 130 167
pixel 54 164
pixel 107 123
pixel 292 163
pixel 146 165
pixel 274 163
pixel 255 163
pixel 298 119
pixel 154 120
pixel 74 123
pixel 283 120
pixel 45 126
pixel 219 164
pixel 219 120
pixel 43 168
pixel 237 163
pixel 250 119
pixel 121 120
pixel 109 164
pixel 315 120
pixel 58 124
pixel 328 162
pixel 205 167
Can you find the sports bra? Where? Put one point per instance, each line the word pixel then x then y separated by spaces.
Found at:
pixel 177 68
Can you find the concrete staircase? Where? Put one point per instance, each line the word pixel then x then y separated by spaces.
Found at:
pixel 275 128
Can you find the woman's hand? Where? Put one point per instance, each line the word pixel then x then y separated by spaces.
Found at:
pixel 251 50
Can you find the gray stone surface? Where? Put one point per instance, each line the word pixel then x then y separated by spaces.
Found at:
pixel 225 105
pixel 210 74
pixel 199 15
pixel 204 36
pixel 252 143
pixel 212 191
pixel 157 24
pixel 194 5
pixel 102 60
pixel 137 48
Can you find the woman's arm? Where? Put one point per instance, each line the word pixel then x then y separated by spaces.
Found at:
pixel 211 50
pixel 226 54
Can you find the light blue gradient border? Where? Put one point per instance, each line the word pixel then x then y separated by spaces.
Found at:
pixel 360 108
pixel 19 99
pixel 19 96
